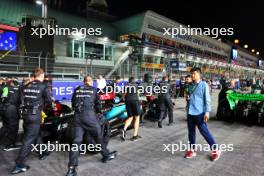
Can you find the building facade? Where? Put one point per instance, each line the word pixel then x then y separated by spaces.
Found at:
pixel 127 47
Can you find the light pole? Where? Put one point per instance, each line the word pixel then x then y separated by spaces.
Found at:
pixel 44 5
pixel 91 66
pixel 86 65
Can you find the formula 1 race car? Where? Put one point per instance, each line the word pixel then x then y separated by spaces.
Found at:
pixel 111 121
pixel 246 108
pixel 57 124
pixel 114 110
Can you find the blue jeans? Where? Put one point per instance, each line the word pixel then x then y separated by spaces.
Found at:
pixel 192 121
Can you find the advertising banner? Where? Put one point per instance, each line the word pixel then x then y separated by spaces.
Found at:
pixel 62 90
pixel 152 65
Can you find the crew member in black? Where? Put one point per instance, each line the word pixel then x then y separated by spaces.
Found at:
pixel 11 115
pixel 2 82
pixel 182 87
pixel 86 103
pixel 165 102
pixel 189 88
pixel 133 109
pixel 33 97
pixel 3 130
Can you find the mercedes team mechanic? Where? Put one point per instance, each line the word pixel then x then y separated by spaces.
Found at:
pixel 86 103
pixel 33 97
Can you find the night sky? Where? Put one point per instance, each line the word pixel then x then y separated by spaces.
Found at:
pixel 245 17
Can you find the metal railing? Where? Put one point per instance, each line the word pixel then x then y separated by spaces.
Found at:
pixel 23 65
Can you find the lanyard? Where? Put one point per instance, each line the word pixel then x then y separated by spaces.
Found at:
pixel 195 88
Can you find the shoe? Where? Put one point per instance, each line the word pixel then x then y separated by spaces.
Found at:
pixel 170 124
pixel 215 155
pixel 110 156
pixel 11 147
pixel 19 168
pixel 43 155
pixel 134 138
pixel 190 154
pixel 123 135
pixel 71 172
pixel 160 124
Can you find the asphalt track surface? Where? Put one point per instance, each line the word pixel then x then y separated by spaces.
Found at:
pixel 146 157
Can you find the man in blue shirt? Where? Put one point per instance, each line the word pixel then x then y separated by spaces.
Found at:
pixel 198 115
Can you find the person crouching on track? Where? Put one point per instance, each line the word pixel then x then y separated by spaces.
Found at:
pixel 133 109
pixel 85 103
